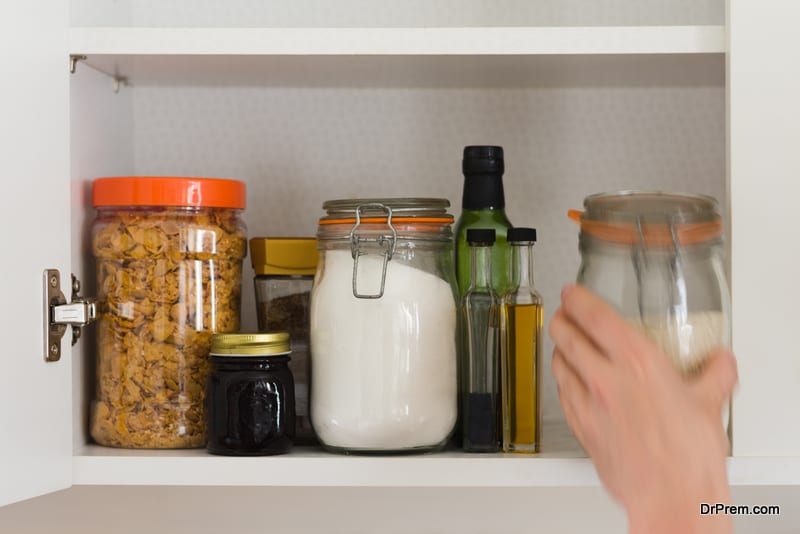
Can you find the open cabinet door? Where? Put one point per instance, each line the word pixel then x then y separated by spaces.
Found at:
pixel 35 396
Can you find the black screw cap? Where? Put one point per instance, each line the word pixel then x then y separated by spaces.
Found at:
pixel 481 235
pixel 483 159
pixel 521 235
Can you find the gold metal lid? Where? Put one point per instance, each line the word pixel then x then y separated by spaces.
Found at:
pixel 253 344
pixel 284 255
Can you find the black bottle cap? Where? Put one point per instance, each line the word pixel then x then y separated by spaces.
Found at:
pixel 481 235
pixel 483 178
pixel 521 235
pixel 483 160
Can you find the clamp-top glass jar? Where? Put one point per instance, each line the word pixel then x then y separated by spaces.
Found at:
pixel 659 259
pixel 383 326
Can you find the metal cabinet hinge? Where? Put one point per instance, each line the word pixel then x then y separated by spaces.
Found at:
pixel 59 314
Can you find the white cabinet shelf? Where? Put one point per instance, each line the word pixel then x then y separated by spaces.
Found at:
pixel 416 71
pixel 562 464
pixel 316 468
pixel 312 467
pixel 400 41
pixel 478 57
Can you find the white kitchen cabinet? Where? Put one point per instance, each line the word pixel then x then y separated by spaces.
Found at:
pixel 306 102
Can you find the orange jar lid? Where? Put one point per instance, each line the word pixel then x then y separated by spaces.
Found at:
pixel 177 191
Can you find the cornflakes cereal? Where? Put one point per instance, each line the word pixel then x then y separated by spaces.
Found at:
pixel 167 279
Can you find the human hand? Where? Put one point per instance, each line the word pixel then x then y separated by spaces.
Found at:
pixel 656 438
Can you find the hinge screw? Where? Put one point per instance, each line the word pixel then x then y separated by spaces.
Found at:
pixel 53 281
pixel 54 349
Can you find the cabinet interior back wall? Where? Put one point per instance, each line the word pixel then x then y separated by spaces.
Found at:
pixel 296 147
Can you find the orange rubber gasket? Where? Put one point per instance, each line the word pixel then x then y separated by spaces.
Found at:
pixel 653 234
pixel 375 220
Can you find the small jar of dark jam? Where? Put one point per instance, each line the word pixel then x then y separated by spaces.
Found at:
pixel 250 397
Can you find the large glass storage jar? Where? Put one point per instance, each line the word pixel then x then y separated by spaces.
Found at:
pixel 169 265
pixel 659 259
pixel 383 326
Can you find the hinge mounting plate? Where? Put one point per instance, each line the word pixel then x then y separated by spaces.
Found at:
pixel 59 314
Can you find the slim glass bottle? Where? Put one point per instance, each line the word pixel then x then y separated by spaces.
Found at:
pixel 521 325
pixel 480 395
pixel 483 206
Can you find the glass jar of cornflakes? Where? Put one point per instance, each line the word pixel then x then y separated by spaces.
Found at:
pixel 169 257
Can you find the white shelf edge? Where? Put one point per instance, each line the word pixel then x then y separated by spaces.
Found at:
pixel 310 468
pixel 101 466
pixel 97 465
pixel 764 471
pixel 399 41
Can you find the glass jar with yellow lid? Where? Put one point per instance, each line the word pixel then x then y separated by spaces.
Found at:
pixel 285 270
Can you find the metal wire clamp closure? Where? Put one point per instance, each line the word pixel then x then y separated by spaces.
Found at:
pixel 387 242
pixel 641 262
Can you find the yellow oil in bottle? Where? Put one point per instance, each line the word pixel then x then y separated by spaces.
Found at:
pixel 521 410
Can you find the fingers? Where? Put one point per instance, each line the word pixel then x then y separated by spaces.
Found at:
pixel 602 325
pixel 573 395
pixel 717 379
pixel 582 356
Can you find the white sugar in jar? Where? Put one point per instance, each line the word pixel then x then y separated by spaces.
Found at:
pixel 383 327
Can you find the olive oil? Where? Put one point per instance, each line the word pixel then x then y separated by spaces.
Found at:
pixel 520 348
pixel 522 425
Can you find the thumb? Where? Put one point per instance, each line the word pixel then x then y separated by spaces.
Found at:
pixel 715 384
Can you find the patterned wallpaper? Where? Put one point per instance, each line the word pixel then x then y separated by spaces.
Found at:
pixel 296 148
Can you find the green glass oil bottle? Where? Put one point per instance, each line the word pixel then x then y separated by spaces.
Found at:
pixel 483 206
